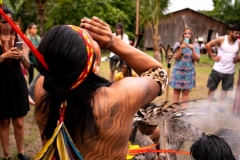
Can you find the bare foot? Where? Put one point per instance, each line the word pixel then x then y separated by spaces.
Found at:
pixel 31 100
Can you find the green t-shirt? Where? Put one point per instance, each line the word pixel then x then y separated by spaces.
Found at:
pixel 35 41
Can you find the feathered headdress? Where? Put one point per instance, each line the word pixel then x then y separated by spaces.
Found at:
pixel 150 115
pixel 168 52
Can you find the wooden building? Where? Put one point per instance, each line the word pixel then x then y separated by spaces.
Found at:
pixel 172 25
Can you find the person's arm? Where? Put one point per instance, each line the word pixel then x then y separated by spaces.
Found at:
pixel 155 136
pixel 32 86
pixel 101 32
pixel 237 58
pixel 13 53
pixel 178 54
pixel 1 59
pixel 209 45
pixel 25 58
pixel 41 118
pixel 195 52
pixel 143 89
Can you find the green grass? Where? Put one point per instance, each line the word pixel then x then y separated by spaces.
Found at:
pixel 203 69
pixel 208 124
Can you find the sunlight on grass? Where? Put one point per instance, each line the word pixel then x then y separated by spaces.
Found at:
pixel 203 69
pixel 210 125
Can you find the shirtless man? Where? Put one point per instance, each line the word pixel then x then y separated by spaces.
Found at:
pixel 99 114
pixel 224 66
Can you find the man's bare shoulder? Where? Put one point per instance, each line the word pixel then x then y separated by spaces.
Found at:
pixel 217 41
pixel 130 93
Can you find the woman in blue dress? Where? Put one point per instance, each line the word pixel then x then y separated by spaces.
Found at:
pixel 183 73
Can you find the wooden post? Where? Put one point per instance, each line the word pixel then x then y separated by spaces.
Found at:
pixel 236 105
pixel 137 23
pixel 168 74
pixel 137 16
pixel 163 140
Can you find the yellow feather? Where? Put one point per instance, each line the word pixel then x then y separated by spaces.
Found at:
pixel 130 147
pixel 43 151
pixel 49 154
pixel 62 150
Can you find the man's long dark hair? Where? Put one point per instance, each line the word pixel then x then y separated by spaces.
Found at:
pixel 65 54
pixel 211 147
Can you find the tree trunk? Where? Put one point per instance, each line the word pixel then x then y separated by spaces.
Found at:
pixel 41 17
pixel 156 40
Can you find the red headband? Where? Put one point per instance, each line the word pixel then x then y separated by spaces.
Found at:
pixel 90 54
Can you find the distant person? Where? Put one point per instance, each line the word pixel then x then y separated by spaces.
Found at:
pixel 211 147
pixel 203 48
pixel 126 72
pixel 196 41
pixel 183 77
pixel 224 66
pixel 115 61
pixel 35 39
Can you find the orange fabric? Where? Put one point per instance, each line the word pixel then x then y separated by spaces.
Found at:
pixel 140 150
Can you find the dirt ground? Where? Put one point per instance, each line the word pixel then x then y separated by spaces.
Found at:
pixel 209 124
pixel 213 122
pixel 32 141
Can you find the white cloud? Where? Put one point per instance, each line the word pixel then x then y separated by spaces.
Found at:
pixel 193 4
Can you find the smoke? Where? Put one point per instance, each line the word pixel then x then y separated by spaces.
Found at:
pixel 212 121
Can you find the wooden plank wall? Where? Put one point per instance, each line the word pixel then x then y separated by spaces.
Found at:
pixel 171 27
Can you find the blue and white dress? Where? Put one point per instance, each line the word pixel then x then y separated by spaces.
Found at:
pixel 183 73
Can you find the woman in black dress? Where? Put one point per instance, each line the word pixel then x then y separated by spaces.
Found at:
pixel 14 103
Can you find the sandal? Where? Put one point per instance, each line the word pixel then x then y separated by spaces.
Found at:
pixel 23 156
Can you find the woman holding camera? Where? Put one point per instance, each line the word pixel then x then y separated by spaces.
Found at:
pixel 14 103
pixel 183 73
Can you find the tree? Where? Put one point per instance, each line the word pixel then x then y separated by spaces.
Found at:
pixel 61 12
pixel 41 15
pixel 225 10
pixel 15 6
pixel 72 11
pixel 151 11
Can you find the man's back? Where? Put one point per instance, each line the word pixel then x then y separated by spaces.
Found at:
pixel 113 110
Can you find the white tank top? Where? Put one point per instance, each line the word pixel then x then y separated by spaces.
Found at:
pixel 227 53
